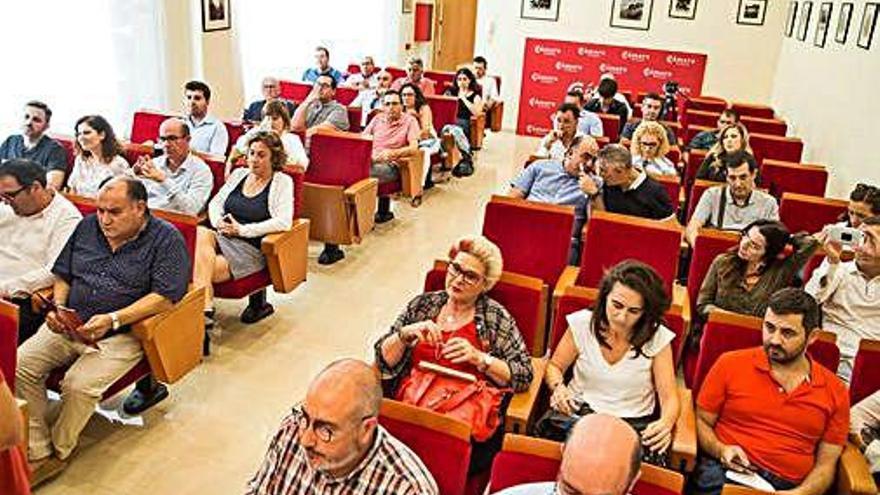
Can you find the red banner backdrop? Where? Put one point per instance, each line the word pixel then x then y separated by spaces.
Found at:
pixel 550 66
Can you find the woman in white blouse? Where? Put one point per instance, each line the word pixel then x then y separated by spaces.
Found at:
pixel 275 119
pixel 649 148
pixel 98 156
pixel 254 201
pixel 622 359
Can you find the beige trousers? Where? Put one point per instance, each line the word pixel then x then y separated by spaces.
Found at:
pixel 92 371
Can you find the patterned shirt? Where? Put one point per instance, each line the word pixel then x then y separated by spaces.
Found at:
pixel 389 467
pixel 494 325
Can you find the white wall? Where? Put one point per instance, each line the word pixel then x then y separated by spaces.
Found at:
pixel 829 96
pixel 741 59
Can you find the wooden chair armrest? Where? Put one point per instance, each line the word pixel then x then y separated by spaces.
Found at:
pixel 680 298
pixel 453 155
pixel 853 474
pixel 566 279
pixel 287 256
pixel 25 419
pixel 411 174
pixel 478 127
pixel 522 405
pixel 362 197
pixel 684 436
pixel 497 116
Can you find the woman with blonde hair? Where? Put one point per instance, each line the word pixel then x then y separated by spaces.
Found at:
pixel 649 147
pixel 731 139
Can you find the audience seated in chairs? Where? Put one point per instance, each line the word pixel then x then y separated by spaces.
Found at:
pixel 98 156
pixel 209 134
pixel 555 182
pixel 626 190
pixel 34 144
pixel 14 475
pixel 275 119
pixel 589 123
pixel 333 443
pixel 649 148
pixel 622 361
pixel 35 223
pixel 487 83
pixel 652 103
pixel 773 411
pixel 601 455
pixel 414 104
pixel 320 110
pixel 558 141
pixel 705 140
pixel 322 68
pixel 367 78
pixel 864 430
pixel 766 260
pixel 849 292
pixel 255 201
pixel 736 204
pixel 271 92
pixel 460 328
pixel 122 241
pixel 606 101
pixel 415 73
pixel 178 180
pixel 470 104
pixel 731 139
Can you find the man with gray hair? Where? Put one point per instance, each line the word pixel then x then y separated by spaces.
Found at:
pixel 271 89
pixel 627 190
pixel 333 443
pixel 415 74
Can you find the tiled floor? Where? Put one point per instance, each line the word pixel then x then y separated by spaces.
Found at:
pixel 210 435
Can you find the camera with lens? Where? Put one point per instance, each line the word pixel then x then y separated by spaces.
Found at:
pixel 670 87
pixel 846 236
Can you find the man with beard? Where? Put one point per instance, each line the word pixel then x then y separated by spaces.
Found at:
pixel 333 443
pixel 772 411
pixel 208 133
pixel 33 144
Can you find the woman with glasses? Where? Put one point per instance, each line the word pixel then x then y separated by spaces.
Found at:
pixel 649 148
pixel 98 156
pixel 414 103
pixel 621 356
pixel 460 328
pixel 731 139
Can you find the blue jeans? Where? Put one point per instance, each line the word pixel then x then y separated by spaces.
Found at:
pixel 708 478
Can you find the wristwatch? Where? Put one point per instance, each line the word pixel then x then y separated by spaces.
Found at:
pixel 485 362
pixel 115 318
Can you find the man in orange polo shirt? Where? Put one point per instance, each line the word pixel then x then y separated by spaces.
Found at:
pixel 773 411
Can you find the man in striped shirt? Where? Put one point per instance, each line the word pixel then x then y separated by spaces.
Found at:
pixel 333 443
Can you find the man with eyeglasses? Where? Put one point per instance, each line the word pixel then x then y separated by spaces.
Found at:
pixel 602 456
pixel 565 129
pixel 271 91
pixel 415 74
pixel 333 443
pixel 652 104
pixel 33 144
pixel 320 110
pixel 371 98
pixel 35 223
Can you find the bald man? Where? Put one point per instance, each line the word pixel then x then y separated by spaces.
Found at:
pixel 602 456
pixel 333 443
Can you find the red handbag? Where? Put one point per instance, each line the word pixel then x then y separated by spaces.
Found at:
pixel 476 403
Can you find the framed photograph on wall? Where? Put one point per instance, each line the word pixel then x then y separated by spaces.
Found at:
pixel 632 14
pixel 869 22
pixel 216 15
pixel 790 17
pixel 545 10
pixel 683 9
pixel 822 23
pixel 751 12
pixel 804 21
pixel 406 6
pixel 843 20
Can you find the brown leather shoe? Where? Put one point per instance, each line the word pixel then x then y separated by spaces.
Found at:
pixel 46 469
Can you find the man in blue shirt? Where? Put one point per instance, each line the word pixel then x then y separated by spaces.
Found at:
pixel 322 58
pixel 120 266
pixel 589 124
pixel 33 144
pixel 209 134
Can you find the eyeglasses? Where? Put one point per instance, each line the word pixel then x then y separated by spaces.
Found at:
pixel 270 86
pixel 470 277
pixel 391 103
pixel 323 85
pixel 170 139
pixel 649 144
pixel 323 431
pixel 9 197
pixel 408 93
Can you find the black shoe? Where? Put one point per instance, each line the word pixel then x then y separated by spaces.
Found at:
pixel 383 216
pixel 331 254
pixel 139 401
pixel 209 319
pixel 253 314
pixel 463 169
pixel 429 182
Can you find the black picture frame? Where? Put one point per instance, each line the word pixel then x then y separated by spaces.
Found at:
pixel 216 15
pixel 804 21
pixel 632 14
pixel 868 25
pixel 751 12
pixel 689 14
pixel 791 18
pixel 528 12
pixel 823 22
pixel 844 19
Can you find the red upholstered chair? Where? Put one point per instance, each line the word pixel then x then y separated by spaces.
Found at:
pixel 496 117
pixel 443 110
pixel 787 149
pixel 753 110
pixel 803 178
pixel 441 78
pixel 145 124
pixel 673 189
pixel 772 127
pixel 396 72
pixel 294 91
pixel 865 378
pixel 346 95
pixel 694 129
pixel 701 118
pixel 355 114
pixel 217 164
pixel 697 189
pixel 674 153
pixel 610 126
pixel 692 165
pixel 353 68
pixel 800 212
pixel 706 104
pixel 66 142
pixel 8 340
pixel 442 443
pixel 524 460
pixel 235 129
pixel 709 244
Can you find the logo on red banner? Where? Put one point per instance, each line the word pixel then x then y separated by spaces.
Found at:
pixel 550 51
pixel 590 52
pixel 536 130
pixel 657 74
pixel 681 61
pixel 542 104
pixel 570 68
pixel 544 78
pixel 637 57
pixel 617 70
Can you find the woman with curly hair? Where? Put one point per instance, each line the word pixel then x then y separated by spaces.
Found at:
pixel 98 156
pixel 649 148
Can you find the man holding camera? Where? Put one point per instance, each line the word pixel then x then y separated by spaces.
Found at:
pixel 849 291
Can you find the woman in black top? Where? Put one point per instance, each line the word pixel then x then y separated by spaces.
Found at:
pixel 731 139
pixel 469 104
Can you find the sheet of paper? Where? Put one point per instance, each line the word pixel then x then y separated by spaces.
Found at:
pixel 751 480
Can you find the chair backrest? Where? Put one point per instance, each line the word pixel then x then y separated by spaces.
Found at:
pixel 298 185
pixel 145 125
pixel 217 164
pixel 787 149
pixel 524 297
pixel 611 238
pixel 441 442
pixel 346 95
pixel 353 68
pixel 354 119
pixel 701 118
pixel 695 159
pixel 441 77
pixel 707 104
pixel 697 189
pixel 708 245
pixel 673 189
pixel 443 110
pixel 610 126
pixel 772 127
pixel 803 178
pixel 533 237
pixel 524 460
pixel 235 129
pixel 753 110
pixel 655 480
pixel 66 142
pixel 339 158
pixel 132 151
pixel 800 212
pixel 396 72
pixel 865 378
pixel 8 340
pixel 294 91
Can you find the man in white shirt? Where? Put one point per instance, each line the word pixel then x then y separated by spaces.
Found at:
pixel 367 78
pixel 35 223
pixel 602 455
pixel 208 133
pixel 490 95
pixel 849 293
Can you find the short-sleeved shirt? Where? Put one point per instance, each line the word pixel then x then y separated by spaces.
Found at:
pixel 644 198
pixel 47 152
pixel 630 128
pixel 624 389
pixel 102 281
pixel 759 205
pixel 778 431
pixel 546 181
pixel 332 112
pixel 312 74
pixel 208 136
pixel 392 135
